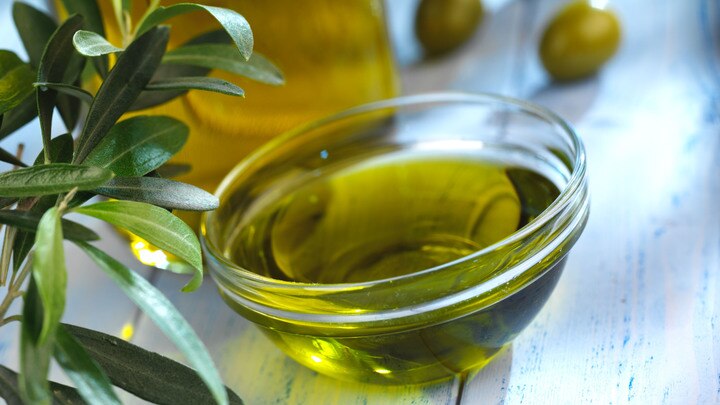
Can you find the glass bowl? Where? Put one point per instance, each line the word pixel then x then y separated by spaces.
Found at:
pixel 402 241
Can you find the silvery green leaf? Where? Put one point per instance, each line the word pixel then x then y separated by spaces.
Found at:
pixel 164 193
pixel 93 22
pixel 221 56
pixel 159 309
pixel 196 83
pixel 157 226
pixel 235 24
pixel 89 43
pixel 54 178
pixel 90 380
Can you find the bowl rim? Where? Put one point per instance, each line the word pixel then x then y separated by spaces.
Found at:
pixel 575 184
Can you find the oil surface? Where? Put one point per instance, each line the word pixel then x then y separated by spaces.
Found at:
pixel 386 217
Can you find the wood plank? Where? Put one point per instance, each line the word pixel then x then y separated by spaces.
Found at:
pixel 634 318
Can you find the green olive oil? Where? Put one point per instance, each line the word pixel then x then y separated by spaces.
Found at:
pixel 387 217
pixel 383 217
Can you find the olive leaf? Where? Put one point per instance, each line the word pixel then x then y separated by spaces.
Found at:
pixel 157 226
pixel 138 145
pixel 89 43
pixel 34 354
pixel 35 29
pixel 165 71
pixel 131 74
pixel 148 375
pixel 91 381
pixel 15 75
pixel 196 83
pixel 48 271
pixel 223 57
pixel 164 193
pixel 53 65
pixel 8 157
pixel 50 179
pixel 24 239
pixel 159 309
pixel 16 118
pixel 28 221
pixel 68 89
pixel 61 150
pixel 234 24
pixel 93 22
pixel 10 390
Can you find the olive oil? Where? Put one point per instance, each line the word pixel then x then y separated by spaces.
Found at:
pixel 386 217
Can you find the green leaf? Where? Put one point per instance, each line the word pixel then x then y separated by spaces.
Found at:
pixel 165 316
pixel 23 239
pixel 54 178
pixel 131 74
pixel 196 83
pixel 165 71
pixel 35 29
pixel 148 375
pixel 233 23
pixel 157 226
pixel 89 43
pixel 91 381
pixel 16 118
pixel 34 354
pixel 61 150
pixel 14 77
pixel 56 58
pixel 68 89
pixel 29 221
pixel 10 389
pixel 138 145
pixel 93 22
pixel 49 271
pixel 8 157
pixel 164 193
pixel 221 56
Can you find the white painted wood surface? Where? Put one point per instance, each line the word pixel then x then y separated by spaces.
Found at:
pixel 636 316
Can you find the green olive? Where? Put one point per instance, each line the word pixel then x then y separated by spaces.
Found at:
pixel 579 40
pixel 443 25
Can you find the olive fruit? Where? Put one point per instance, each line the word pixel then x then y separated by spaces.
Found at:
pixel 443 25
pixel 579 40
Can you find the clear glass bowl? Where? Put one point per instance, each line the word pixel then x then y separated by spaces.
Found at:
pixel 387 257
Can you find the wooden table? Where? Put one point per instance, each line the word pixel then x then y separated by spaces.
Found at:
pixel 636 316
